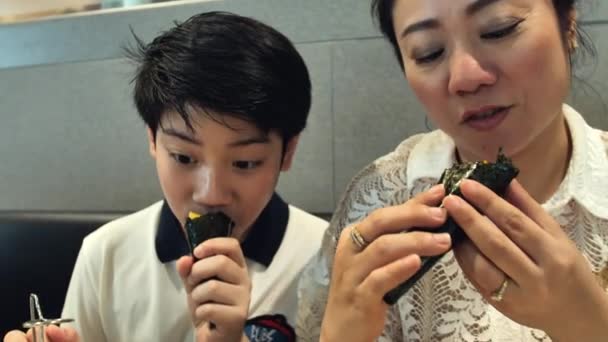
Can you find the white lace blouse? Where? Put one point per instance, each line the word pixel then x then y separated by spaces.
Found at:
pixel 444 306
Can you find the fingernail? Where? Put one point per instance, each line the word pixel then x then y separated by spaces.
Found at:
pixel 198 251
pixel 443 238
pixel 469 184
pixel 437 212
pixel 454 199
pixel 437 189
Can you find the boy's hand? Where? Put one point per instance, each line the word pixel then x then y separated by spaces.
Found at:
pixel 53 334
pixel 219 290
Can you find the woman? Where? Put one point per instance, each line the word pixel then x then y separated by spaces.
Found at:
pixel 490 73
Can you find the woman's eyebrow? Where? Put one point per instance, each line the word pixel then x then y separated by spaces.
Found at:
pixel 432 23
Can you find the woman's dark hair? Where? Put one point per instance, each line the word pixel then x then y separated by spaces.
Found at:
pixel 382 11
pixel 222 64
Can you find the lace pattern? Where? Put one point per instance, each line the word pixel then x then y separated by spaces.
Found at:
pixel 443 306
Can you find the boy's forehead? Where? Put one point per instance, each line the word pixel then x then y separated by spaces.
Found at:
pixel 200 120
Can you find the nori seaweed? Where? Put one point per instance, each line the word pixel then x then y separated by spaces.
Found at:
pixel 207 227
pixel 495 176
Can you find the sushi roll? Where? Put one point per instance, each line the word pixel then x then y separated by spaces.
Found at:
pixel 496 176
pixel 200 228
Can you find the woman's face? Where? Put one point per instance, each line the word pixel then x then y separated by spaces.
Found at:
pixel 490 73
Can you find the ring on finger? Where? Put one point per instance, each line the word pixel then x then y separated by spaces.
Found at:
pixel 357 238
pixel 499 294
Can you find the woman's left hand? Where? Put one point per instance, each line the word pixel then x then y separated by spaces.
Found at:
pixel 550 284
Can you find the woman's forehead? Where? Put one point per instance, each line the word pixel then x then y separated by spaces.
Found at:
pixel 463 8
pixel 407 12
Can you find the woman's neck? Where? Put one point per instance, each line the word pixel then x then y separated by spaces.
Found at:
pixel 544 162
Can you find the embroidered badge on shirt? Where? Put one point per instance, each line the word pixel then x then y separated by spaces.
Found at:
pixel 269 328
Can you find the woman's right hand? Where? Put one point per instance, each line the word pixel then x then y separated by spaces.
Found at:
pixel 53 334
pixel 361 277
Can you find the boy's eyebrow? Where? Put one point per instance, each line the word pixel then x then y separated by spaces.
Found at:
pixel 260 139
pixel 181 135
pixel 471 9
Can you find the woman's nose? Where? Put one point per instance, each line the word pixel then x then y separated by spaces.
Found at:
pixel 467 74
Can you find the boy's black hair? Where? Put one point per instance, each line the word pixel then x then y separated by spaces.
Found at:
pixel 223 64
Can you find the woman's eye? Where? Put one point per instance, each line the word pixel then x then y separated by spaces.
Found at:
pixel 431 57
pixel 503 32
pixel 246 165
pixel 182 159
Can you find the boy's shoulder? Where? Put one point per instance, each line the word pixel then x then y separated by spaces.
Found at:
pixel 303 234
pixel 305 219
pixel 132 228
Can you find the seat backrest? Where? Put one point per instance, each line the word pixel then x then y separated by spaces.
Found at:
pixel 37 254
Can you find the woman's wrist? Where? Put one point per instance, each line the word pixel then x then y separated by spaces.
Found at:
pixel 590 328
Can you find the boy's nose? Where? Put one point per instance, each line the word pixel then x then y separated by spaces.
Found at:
pixel 211 191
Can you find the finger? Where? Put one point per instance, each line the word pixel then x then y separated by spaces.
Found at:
pixel 226 246
pixel 522 230
pixel 386 278
pixel 490 240
pixel 521 199
pixel 221 315
pixel 389 248
pixel 484 275
pixel 15 336
pixel 219 266
pixel 421 211
pixel 184 266
pixel 61 334
pixel 218 292
pixel 479 270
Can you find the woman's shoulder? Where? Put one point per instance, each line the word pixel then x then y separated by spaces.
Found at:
pixel 388 163
pixel 380 183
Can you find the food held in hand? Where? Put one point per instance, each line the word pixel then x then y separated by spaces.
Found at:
pixel 495 176
pixel 200 228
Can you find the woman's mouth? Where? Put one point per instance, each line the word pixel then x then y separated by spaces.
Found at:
pixel 487 118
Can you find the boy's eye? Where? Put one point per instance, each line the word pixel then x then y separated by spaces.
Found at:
pixel 182 158
pixel 246 165
pixel 503 32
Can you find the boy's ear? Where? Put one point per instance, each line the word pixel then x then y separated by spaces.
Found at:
pixel 151 142
pixel 290 150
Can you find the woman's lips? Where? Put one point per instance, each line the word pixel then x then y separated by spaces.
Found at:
pixel 486 122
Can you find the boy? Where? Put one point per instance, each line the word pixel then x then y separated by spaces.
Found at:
pixel 224 99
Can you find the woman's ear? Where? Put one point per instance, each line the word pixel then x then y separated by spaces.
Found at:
pixel 290 150
pixel 572 33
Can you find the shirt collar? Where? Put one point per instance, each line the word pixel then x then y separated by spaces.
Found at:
pixel 585 180
pixel 261 244
pixel 428 158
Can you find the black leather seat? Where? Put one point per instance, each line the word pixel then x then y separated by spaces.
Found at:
pixel 37 253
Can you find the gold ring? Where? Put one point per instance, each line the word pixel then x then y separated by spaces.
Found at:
pixel 498 295
pixel 357 238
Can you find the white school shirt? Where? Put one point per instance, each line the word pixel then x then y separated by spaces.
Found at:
pixel 125 286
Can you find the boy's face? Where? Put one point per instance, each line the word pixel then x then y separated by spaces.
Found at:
pixel 231 169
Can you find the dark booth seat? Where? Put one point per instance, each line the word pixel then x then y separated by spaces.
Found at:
pixel 37 253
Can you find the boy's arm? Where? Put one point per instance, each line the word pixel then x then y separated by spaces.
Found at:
pixel 82 299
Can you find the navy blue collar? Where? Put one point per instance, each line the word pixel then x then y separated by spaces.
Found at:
pixel 262 242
